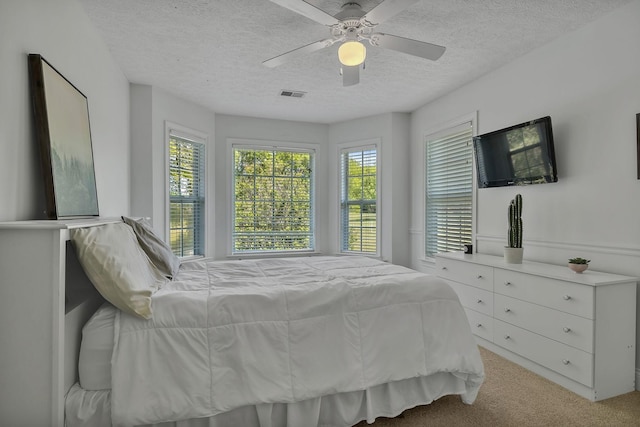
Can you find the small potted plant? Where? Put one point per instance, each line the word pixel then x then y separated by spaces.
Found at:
pixel 578 264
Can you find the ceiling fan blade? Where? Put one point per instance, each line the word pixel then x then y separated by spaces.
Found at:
pixel 301 51
pixel 350 75
pixel 308 10
pixel 387 9
pixel 412 47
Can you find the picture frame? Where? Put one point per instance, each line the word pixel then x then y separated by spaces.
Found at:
pixel 63 134
pixel 638 142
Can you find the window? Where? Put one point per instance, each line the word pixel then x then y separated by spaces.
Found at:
pixel 272 200
pixel 359 200
pixel 186 194
pixel 449 190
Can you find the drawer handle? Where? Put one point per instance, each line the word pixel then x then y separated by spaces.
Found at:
pixel 507 310
pixel 565 361
pixel 479 301
pixel 479 276
pixel 507 337
pixel 566 330
pixel 507 283
pixel 567 297
pixel 444 268
pixel 479 325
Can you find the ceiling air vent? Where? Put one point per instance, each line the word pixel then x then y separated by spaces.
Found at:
pixel 292 93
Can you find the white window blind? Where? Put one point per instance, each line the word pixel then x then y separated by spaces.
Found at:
pixel 359 194
pixel 273 200
pixel 449 190
pixel 186 195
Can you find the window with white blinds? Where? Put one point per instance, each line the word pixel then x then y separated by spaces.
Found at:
pixel 449 190
pixel 272 200
pixel 186 195
pixel 359 200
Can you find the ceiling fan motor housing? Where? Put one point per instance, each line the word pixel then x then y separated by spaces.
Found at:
pixel 350 11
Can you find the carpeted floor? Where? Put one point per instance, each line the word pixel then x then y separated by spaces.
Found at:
pixel 514 396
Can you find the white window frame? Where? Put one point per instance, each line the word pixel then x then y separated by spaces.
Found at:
pixel 252 144
pixel 183 132
pixel 434 132
pixel 350 147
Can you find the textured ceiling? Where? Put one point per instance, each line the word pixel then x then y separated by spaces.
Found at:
pixel 211 51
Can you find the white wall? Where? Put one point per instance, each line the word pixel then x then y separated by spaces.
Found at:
pixel 151 109
pixel 267 130
pixel 587 82
pixel 142 145
pixel 392 130
pixel 60 31
pixel 400 198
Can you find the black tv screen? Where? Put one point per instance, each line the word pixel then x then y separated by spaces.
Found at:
pixel 518 155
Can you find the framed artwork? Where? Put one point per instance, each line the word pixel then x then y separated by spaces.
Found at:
pixel 61 124
pixel 638 142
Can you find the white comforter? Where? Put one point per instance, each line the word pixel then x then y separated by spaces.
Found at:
pixel 226 334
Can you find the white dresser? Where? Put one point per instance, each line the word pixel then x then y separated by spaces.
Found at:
pixel 577 330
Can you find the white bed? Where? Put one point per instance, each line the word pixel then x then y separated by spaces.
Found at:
pixel 303 341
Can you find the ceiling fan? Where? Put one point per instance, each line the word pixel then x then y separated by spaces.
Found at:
pixel 351 26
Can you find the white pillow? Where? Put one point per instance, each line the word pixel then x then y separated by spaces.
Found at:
pixel 96 349
pixel 117 266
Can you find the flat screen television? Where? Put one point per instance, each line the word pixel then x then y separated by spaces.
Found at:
pixel 518 155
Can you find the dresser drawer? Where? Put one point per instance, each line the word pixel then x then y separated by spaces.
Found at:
pixel 568 361
pixel 474 298
pixel 564 296
pixel 480 276
pixel 481 324
pixel 567 328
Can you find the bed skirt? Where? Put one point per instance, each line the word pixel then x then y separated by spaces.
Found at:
pixel 93 408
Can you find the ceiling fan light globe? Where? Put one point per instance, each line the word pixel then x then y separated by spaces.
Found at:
pixel 352 53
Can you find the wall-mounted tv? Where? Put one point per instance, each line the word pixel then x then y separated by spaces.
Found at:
pixel 518 155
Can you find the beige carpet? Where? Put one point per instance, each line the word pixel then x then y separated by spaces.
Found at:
pixel 514 396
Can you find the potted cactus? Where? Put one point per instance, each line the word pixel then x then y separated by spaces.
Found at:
pixel 578 265
pixel 513 252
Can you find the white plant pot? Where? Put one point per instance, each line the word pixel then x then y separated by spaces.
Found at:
pixel 578 268
pixel 513 255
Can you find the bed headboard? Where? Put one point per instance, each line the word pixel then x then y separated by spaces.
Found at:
pixel 81 301
pixel 45 300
